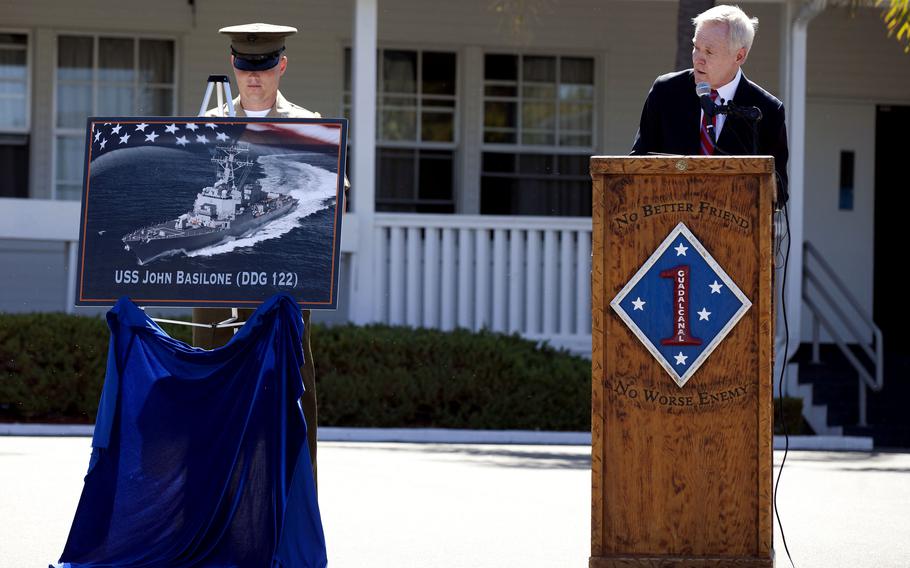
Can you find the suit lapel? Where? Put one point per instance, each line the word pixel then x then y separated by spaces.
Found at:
pixel 691 124
pixel 737 134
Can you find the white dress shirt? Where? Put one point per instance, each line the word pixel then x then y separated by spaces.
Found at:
pixel 724 95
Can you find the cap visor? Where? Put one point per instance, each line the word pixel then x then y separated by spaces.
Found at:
pixel 255 65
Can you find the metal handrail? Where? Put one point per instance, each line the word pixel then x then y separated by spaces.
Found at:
pixel 874 352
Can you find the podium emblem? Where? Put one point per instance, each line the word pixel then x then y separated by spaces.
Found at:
pixel 681 304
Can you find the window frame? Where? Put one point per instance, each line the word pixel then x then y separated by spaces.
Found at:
pixel 59 132
pixel 417 145
pixel 28 80
pixel 518 146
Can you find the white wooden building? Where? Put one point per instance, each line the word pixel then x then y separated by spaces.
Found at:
pixel 472 125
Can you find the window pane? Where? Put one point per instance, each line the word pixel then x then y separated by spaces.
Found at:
pixel 539 91
pixel 535 163
pixel 156 61
pixel 539 69
pixel 495 162
pixel 438 73
pixel 538 138
pixel 12 113
pixel 156 102
pixel 70 153
pixel 15 39
pixel 538 116
pixel 500 114
pixel 74 105
pixel 435 175
pixel 576 92
pixel 438 127
pixel 575 140
pixel 399 125
pixel 74 58
pixel 496 195
pixel 500 90
pixel 576 165
pixel 115 59
pixel 12 64
pixel 505 137
pixel 399 71
pixel 577 70
pixel 398 101
pixel 396 174
pixel 501 67
pixel 437 104
pixel 578 116
pixel 14 168
pixel 115 101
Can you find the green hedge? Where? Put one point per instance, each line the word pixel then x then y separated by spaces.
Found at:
pixel 52 369
pixel 384 376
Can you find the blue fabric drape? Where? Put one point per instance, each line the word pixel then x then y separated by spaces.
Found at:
pixel 199 457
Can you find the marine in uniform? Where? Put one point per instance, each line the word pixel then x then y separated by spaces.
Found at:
pixel 257 56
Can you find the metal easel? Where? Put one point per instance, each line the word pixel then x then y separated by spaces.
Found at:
pixel 222 87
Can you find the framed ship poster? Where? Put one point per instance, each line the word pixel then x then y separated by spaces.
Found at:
pixel 211 211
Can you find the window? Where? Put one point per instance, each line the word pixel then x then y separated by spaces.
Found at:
pixel 14 114
pixel 416 138
pixel 538 134
pixel 105 76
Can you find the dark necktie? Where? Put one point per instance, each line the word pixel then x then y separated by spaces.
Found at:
pixel 707 148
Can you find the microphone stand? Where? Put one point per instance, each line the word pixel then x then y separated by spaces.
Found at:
pixel 751 114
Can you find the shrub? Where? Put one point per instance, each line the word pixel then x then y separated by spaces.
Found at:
pixel 52 369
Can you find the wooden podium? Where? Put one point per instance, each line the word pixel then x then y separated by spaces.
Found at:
pixel 681 475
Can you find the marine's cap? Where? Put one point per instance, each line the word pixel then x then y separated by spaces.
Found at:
pixel 257 47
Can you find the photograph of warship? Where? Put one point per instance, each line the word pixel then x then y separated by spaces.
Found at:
pixel 229 209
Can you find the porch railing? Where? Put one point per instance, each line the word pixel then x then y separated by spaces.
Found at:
pixel 526 275
pixel 819 289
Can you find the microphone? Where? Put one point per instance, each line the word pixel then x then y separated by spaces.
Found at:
pixel 703 90
pixel 749 113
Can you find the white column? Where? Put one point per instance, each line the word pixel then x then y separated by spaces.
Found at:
pixel 796 125
pixel 366 301
pixel 471 126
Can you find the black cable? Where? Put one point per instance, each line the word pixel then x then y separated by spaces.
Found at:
pixel 785 210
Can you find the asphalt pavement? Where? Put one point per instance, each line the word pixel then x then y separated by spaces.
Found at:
pixel 388 505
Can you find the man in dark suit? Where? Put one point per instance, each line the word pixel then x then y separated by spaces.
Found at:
pixel 672 121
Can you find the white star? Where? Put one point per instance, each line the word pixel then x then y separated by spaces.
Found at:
pixel 182 141
pixel 103 142
pixel 223 137
pixel 116 129
pixel 680 359
pixel 141 127
pixel 201 139
pixel 97 135
pixel 151 137
pixel 703 314
pixel 639 304
pixel 715 288
pixel 681 250
pixel 211 125
pixel 124 138
pixel 171 128
pixel 191 126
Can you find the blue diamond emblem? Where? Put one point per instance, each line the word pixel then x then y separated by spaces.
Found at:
pixel 681 304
